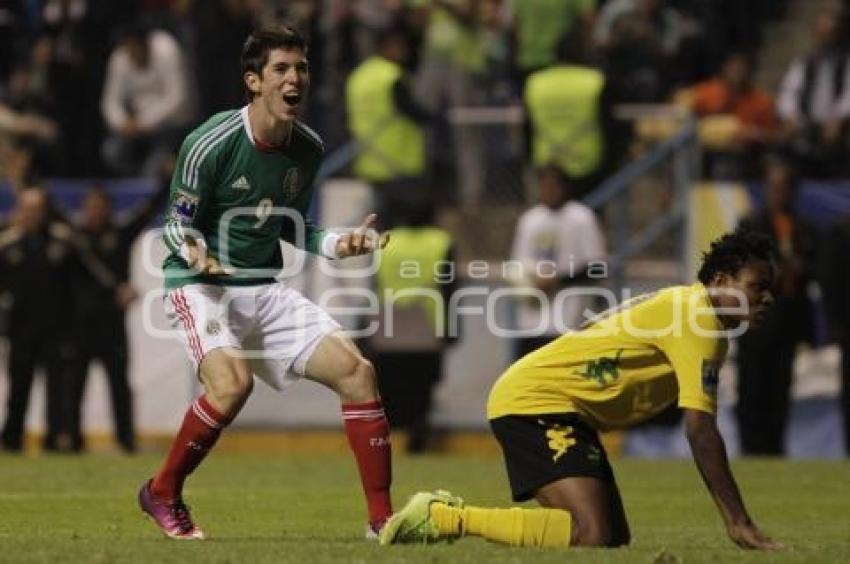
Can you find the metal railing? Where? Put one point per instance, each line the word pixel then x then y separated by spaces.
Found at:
pixel 681 150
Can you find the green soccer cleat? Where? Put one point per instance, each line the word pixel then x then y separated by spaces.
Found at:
pixel 413 523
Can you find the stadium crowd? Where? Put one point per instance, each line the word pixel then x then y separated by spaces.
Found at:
pixel 99 89
pixel 117 80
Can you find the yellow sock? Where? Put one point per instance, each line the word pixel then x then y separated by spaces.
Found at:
pixel 544 528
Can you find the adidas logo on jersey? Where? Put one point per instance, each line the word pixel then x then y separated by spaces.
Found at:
pixel 241 183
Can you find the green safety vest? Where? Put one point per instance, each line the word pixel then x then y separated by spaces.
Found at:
pixel 563 104
pixel 409 262
pixel 393 145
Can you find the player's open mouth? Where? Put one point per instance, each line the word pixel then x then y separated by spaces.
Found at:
pixel 292 98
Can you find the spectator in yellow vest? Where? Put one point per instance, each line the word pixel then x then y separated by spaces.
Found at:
pixel 540 25
pixel 452 74
pixel 385 121
pixel 568 109
pixel 414 282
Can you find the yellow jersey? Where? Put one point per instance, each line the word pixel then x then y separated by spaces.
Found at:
pixel 625 366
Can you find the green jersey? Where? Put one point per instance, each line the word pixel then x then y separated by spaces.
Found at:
pixel 241 199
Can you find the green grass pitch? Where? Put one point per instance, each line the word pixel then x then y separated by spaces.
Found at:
pixel 310 509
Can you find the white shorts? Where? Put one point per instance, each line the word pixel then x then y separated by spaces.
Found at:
pixel 275 327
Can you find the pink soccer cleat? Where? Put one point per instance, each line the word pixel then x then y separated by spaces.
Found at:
pixel 172 517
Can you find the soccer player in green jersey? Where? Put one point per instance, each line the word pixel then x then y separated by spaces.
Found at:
pixel 243 182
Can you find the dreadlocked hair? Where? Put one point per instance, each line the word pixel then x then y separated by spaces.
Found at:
pixel 732 251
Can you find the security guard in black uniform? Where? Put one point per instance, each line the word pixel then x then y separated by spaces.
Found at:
pixel 39 261
pixel 101 333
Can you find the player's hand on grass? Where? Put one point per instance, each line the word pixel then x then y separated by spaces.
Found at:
pixel 362 240
pixel 749 536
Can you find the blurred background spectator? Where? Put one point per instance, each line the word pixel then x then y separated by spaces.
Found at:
pixel 737 120
pixel 386 121
pixel 555 242
pixel 667 25
pixel 74 79
pixel 450 75
pixel 415 282
pixel 154 76
pixel 835 281
pixel 33 89
pixel 766 354
pixel 495 36
pixel 147 102
pixel 635 64
pixel 24 125
pixel 39 262
pixel 569 114
pixel 346 39
pixel 100 333
pixel 814 99
pixel 541 26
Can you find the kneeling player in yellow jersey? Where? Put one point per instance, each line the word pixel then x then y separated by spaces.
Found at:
pixel 625 366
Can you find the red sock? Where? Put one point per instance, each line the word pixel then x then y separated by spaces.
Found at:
pixel 201 428
pixel 369 436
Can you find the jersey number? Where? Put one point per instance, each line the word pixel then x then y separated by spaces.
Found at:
pixel 263 211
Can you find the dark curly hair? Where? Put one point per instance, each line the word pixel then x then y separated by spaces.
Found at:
pixel 732 251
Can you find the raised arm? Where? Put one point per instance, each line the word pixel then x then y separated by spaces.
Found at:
pixel 709 453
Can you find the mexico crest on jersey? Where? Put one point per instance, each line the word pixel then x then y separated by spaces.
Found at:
pixel 291 182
